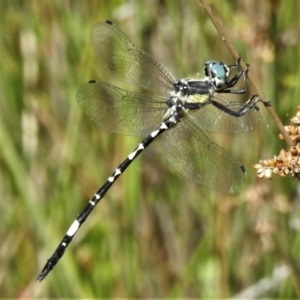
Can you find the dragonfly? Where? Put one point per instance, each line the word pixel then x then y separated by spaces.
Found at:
pixel 184 109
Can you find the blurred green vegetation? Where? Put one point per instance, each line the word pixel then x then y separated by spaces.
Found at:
pixel 154 234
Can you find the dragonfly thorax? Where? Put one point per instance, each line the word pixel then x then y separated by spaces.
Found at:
pixel 181 86
pixel 187 87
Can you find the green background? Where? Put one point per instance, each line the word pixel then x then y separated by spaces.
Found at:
pixel 154 234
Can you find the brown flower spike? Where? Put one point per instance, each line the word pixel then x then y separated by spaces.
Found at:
pixel 287 162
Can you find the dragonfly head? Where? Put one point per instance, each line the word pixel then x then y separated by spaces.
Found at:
pixel 217 73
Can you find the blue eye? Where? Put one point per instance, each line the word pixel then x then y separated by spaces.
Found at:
pixel 217 72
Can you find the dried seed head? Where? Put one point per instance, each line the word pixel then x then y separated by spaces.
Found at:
pixel 287 162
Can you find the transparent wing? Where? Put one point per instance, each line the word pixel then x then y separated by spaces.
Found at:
pixel 119 111
pixel 214 119
pixel 194 155
pixel 128 62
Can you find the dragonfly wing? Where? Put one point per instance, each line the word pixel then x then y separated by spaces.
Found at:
pixel 194 155
pixel 119 111
pixel 128 62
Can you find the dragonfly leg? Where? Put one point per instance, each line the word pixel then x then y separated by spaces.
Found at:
pixel 233 81
pixel 250 104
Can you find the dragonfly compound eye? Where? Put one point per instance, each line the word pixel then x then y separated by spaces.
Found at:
pixel 219 74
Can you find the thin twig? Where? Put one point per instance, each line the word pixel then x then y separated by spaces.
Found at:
pixel 236 55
